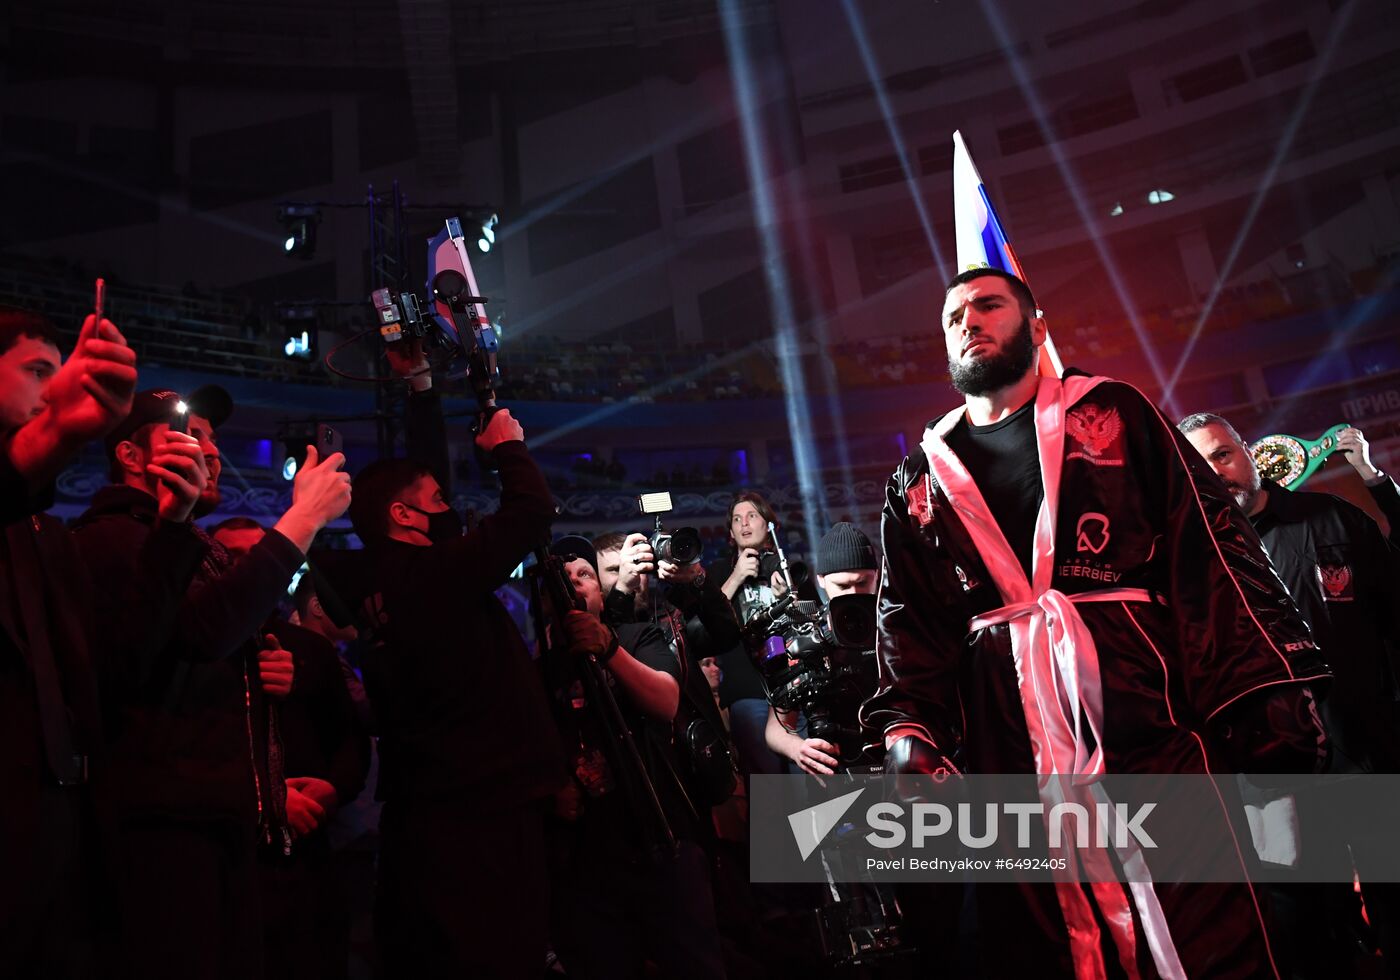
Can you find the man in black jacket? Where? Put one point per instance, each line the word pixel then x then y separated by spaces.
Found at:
pixel 1345 578
pixel 468 754
pixel 305 919
pixel 54 654
pixel 190 789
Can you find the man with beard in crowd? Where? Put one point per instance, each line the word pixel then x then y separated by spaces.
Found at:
pixel 56 657
pixel 195 766
pixel 1051 518
pixel 1345 577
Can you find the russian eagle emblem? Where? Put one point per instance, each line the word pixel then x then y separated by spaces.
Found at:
pixel 1094 428
pixel 1335 580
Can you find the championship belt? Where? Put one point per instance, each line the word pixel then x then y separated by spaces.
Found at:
pixel 1288 460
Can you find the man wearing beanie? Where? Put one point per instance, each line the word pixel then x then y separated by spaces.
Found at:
pixel 846 561
pixel 845 566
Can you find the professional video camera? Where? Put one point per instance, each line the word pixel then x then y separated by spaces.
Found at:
pixel 682 546
pixel 798 574
pixel 819 660
pixel 452 323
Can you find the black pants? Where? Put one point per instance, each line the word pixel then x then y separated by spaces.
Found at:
pixel 47 889
pixel 189 901
pixel 306 923
pixel 461 893
pixel 611 917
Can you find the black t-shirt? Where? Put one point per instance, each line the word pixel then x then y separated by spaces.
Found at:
pixel 741 679
pixel 609 822
pixel 1005 465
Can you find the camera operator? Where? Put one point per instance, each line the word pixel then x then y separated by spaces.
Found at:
pixel 192 789
pixel 626 567
pixel 622 898
pixel 468 751
pixel 845 566
pixel 56 655
pixel 698 622
pixel 750 579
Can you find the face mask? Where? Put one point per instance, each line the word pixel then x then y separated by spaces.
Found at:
pixel 443 525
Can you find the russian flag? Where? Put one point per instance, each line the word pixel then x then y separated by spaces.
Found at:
pixel 981 238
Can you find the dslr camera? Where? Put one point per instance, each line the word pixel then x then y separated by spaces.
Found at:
pixel 681 546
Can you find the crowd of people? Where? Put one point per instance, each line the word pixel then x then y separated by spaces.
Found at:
pixel 195 715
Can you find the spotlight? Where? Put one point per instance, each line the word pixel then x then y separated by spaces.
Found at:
pixel 488 233
pixel 1160 197
pixel 1117 209
pixel 299 221
pixel 298 346
pixel 299 326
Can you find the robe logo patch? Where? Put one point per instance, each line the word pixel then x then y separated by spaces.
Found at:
pixel 1336 583
pixel 1091 533
pixel 918 498
pixel 1096 430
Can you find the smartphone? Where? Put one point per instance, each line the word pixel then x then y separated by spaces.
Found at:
pixel 99 302
pixel 328 441
pixel 180 421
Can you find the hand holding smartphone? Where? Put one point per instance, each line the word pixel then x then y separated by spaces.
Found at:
pixel 328 441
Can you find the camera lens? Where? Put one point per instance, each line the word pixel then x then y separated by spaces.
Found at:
pixel 449 284
pixel 685 546
pixel 852 619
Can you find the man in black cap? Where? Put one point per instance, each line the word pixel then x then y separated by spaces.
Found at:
pixel 624 893
pixel 54 654
pixel 194 763
pixel 845 566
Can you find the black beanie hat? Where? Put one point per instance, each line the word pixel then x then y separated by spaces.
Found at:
pixel 844 548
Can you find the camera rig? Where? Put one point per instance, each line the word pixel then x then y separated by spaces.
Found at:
pixel 451 324
pixel 819 660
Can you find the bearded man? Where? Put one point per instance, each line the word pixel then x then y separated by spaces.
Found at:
pixel 1067 589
